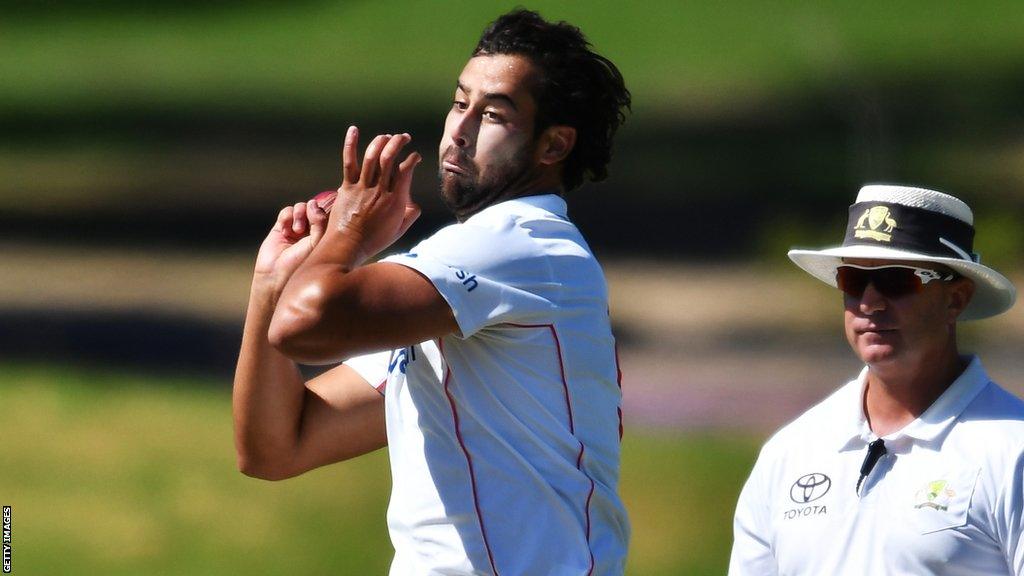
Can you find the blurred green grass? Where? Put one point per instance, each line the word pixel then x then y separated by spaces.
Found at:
pixel 117 473
pixel 679 58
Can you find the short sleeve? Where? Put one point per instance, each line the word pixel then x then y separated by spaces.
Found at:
pixel 751 549
pixel 1010 517
pixel 372 367
pixel 487 277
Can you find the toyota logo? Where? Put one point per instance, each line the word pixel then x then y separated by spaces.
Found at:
pixel 809 488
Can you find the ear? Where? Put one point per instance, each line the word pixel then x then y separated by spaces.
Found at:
pixel 556 142
pixel 960 292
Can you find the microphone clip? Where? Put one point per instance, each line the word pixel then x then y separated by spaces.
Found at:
pixel 876 450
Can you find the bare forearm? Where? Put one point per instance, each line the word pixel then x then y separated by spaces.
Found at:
pixel 300 327
pixel 340 314
pixel 284 425
pixel 268 393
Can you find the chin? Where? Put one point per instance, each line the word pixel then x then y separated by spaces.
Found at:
pixel 451 192
pixel 877 353
pixel 448 193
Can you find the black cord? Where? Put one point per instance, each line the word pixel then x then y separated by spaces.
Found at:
pixel 876 450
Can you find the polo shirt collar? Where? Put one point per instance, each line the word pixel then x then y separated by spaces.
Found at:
pixel 853 431
pixel 942 414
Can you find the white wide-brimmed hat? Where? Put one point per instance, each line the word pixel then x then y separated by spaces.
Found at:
pixel 903 223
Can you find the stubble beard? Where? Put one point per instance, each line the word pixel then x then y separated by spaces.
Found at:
pixel 467 194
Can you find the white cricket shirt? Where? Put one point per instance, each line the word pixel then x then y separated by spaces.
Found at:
pixel 947 499
pixel 504 439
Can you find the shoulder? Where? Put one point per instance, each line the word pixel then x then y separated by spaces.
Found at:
pixel 806 439
pixel 476 238
pixel 996 418
pixel 996 403
pixel 516 233
pixel 815 422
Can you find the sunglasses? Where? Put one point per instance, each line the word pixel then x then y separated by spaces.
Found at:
pixel 891 281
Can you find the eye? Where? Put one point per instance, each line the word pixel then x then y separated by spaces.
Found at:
pixel 493 116
pixel 459 105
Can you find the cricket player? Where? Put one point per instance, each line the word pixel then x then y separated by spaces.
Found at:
pixel 483 358
pixel 916 467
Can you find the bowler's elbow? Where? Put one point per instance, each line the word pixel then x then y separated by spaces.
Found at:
pixel 259 455
pixel 289 332
pixel 297 328
pixel 262 469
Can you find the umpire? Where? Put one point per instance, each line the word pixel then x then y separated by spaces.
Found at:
pixel 917 465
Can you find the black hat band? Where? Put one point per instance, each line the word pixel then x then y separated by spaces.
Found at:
pixel 911 229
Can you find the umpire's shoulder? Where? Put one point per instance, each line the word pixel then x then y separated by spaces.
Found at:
pixel 819 421
pixel 997 417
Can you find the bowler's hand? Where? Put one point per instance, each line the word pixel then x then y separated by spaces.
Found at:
pixel 296 232
pixel 333 307
pixel 374 206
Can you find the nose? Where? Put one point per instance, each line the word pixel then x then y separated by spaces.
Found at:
pixel 461 128
pixel 459 133
pixel 871 300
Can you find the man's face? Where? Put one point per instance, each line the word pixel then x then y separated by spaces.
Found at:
pixel 487 152
pixel 882 330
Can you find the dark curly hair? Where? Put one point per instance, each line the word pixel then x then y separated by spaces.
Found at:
pixel 577 87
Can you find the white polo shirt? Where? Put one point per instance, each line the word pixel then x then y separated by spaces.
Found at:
pixel 947 498
pixel 504 439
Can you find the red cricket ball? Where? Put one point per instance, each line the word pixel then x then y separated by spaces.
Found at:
pixel 325 199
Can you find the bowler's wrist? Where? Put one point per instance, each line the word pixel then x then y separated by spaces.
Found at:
pixel 344 248
pixel 264 291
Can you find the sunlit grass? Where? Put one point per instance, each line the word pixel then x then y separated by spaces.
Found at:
pixel 113 473
pixel 681 492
